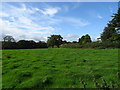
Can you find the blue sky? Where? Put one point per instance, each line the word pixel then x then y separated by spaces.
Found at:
pixel 37 20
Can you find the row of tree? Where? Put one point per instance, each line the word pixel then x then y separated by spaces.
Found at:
pixel 57 40
pixel 54 40
pixel 9 43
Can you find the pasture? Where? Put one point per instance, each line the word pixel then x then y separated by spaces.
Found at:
pixel 59 68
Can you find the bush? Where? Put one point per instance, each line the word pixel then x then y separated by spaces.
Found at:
pixel 87 45
pixel 97 45
pixel 109 44
pixel 9 45
pixel 71 45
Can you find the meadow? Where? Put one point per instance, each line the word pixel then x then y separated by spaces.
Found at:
pixel 59 68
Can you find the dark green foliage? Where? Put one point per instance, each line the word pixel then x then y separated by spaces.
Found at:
pixel 109 44
pixel 9 45
pixel 116 20
pixel 96 44
pixel 108 32
pixel 24 44
pixel 115 38
pixel 85 39
pixel 112 30
pixel 74 42
pixel 70 45
pixel 41 44
pixel 111 34
pixel 8 39
pixel 54 40
pixel 64 42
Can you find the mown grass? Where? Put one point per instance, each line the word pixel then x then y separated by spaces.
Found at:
pixel 58 68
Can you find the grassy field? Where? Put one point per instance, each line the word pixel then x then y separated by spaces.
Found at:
pixel 58 68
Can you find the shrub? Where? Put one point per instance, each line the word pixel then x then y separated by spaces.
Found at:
pixel 87 45
pixel 71 45
pixel 109 44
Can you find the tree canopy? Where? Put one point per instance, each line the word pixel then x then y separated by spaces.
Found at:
pixel 85 39
pixel 9 43
pixel 54 40
pixel 113 27
pixel 8 39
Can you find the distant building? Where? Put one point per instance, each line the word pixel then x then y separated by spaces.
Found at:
pixel 99 39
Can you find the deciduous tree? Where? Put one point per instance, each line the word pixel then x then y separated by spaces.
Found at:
pixel 54 40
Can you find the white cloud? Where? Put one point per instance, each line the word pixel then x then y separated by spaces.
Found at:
pixel 2 14
pixel 29 33
pixel 25 9
pixel 73 6
pixel 37 9
pixel 22 25
pixel 77 22
pixel 26 22
pixel 99 16
pixel 111 9
pixel 71 37
pixel 50 11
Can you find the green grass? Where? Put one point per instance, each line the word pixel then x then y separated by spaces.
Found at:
pixel 58 68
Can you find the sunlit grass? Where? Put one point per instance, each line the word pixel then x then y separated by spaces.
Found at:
pixel 58 68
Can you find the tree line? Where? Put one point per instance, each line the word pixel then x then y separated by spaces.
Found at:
pixel 53 41
pixel 110 38
pixel 10 43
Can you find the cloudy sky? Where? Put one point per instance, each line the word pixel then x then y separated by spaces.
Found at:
pixel 38 20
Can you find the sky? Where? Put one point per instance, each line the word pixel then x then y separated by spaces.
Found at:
pixel 38 20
